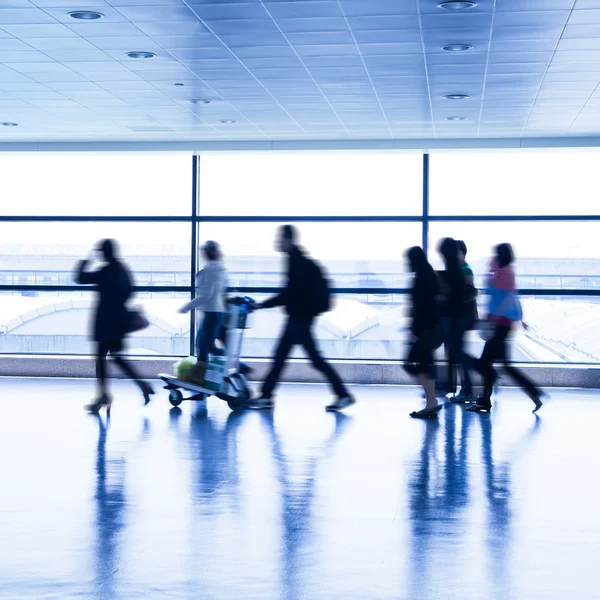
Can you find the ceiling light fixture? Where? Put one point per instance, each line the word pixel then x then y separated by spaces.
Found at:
pixel 199 101
pixel 457 47
pixel 140 54
pixel 86 15
pixel 9 124
pixel 227 121
pixel 457 5
pixel 456 118
pixel 457 96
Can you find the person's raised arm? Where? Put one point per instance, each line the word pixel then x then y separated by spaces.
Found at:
pixel 83 276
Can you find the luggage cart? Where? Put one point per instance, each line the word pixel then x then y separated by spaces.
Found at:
pixel 233 387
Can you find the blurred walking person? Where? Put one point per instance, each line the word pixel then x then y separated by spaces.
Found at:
pixel 454 309
pixel 211 290
pixel 468 323
pixel 426 333
pixel 504 312
pixel 306 295
pixel 112 320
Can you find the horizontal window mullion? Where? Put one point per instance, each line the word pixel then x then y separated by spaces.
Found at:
pixel 489 218
pixel 90 288
pixel 94 219
pixel 274 290
pixel 271 290
pixel 305 219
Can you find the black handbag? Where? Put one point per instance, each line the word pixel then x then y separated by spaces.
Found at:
pixel 136 320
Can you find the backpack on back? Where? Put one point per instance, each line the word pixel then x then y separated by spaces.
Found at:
pixel 320 291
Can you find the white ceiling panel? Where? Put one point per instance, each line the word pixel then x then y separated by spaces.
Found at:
pixel 298 70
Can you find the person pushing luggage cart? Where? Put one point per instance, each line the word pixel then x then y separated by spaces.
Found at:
pixel 218 370
pixel 211 290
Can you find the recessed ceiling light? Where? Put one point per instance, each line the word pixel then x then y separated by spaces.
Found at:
pixel 9 124
pixel 456 118
pixel 199 101
pixel 457 96
pixel 86 15
pixel 457 47
pixel 227 121
pixel 457 4
pixel 138 54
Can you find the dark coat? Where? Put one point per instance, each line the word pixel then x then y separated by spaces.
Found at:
pixel 298 296
pixel 113 283
pixel 425 310
pixel 456 293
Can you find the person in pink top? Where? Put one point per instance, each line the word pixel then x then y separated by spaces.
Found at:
pixel 504 311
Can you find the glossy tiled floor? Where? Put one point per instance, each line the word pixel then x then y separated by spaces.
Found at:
pixel 206 504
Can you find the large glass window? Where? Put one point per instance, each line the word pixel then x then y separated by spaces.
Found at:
pixel 514 183
pixel 95 184
pixel 552 255
pixel 356 212
pixel 356 255
pixel 46 253
pixel 59 322
pixel 306 184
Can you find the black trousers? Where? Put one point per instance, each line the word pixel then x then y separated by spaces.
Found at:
pixel 496 350
pixel 102 350
pixel 298 330
pixel 208 333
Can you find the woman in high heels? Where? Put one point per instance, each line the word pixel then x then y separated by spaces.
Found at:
pixel 112 320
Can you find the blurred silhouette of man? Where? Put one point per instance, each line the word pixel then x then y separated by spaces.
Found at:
pixel 305 296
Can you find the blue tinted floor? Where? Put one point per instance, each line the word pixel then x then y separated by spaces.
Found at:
pixel 197 504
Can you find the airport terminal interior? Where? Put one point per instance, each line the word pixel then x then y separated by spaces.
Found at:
pixel 371 127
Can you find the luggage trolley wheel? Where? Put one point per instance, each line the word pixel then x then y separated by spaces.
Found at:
pixel 242 397
pixel 175 397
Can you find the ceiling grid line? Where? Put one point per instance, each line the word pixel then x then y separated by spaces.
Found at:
pixel 66 65
pixel 195 75
pixel 560 37
pixel 362 58
pixel 306 68
pixel 245 67
pixel 487 66
pixel 424 50
pixel 356 72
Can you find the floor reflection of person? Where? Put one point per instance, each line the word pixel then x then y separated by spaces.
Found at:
pixel 110 502
pixel 441 493
pixel 499 492
pixel 297 500
pixel 216 450
pixel 112 319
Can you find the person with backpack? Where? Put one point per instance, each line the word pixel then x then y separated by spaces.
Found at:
pixel 306 296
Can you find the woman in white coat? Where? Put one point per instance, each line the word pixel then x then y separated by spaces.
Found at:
pixel 211 289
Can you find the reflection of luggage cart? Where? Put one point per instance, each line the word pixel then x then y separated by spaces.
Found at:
pixel 225 378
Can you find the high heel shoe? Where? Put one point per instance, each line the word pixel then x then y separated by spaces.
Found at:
pixel 94 407
pixel 147 391
pixel 537 400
